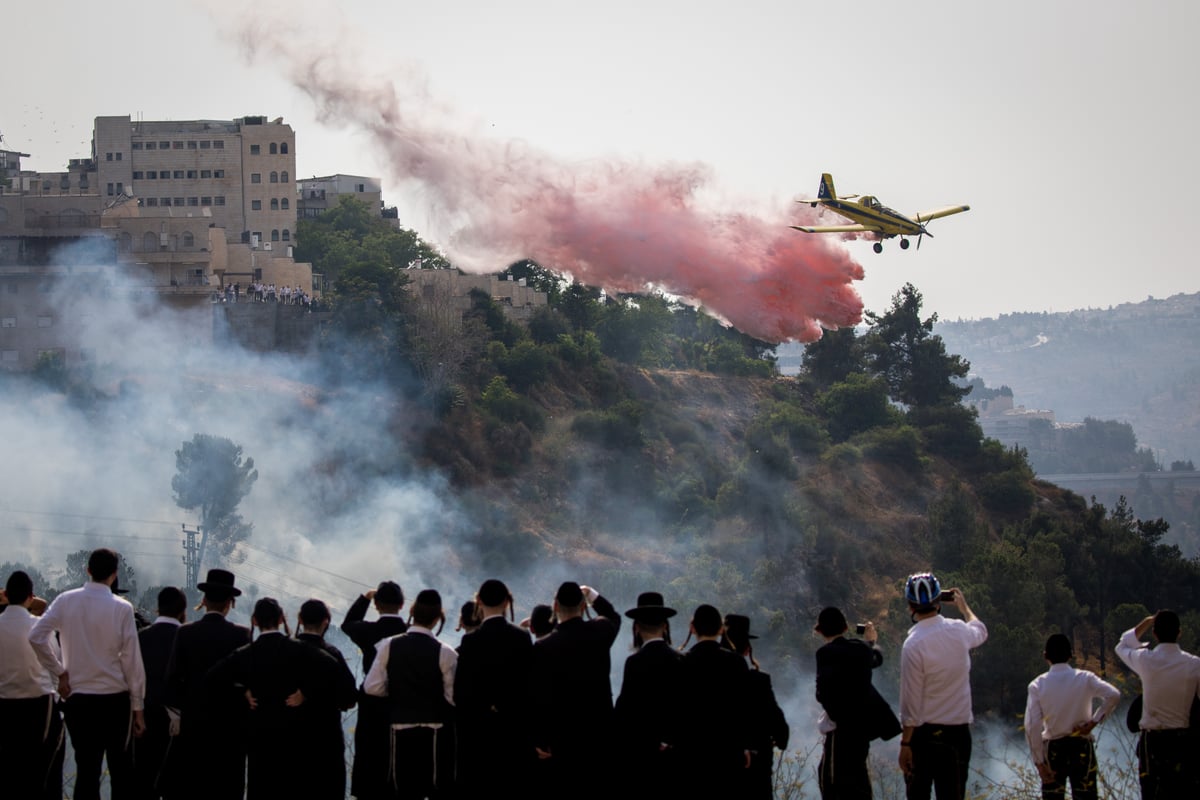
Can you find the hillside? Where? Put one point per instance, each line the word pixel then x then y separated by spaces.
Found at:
pixel 1137 363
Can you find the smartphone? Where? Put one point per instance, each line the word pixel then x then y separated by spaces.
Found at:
pixel 860 629
pixel 946 597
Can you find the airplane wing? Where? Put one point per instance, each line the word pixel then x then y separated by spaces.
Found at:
pixel 925 216
pixel 838 228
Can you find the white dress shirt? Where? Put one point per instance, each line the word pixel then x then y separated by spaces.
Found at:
pixel 99 639
pixel 1170 680
pixel 376 682
pixel 22 676
pixel 1059 701
pixel 935 671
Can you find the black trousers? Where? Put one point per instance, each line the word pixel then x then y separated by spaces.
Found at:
pixel 1073 760
pixel 369 776
pixel 941 755
pixel 843 772
pixel 423 763
pixel 31 749
pixel 101 726
pixel 1166 764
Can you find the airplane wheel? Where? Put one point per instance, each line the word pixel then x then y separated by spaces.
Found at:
pixel 904 244
pixel 878 248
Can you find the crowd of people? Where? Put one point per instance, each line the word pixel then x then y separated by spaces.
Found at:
pixel 258 292
pixel 207 709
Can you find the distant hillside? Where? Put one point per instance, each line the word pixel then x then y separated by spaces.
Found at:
pixel 1137 363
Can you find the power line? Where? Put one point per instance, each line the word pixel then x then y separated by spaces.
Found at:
pixel 172 523
pixel 97 534
pixel 309 566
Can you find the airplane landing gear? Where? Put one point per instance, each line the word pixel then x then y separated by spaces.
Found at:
pixel 878 247
pixel 904 244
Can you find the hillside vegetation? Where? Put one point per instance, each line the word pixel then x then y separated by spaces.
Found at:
pixel 639 438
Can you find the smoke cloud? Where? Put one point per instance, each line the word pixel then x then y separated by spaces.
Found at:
pixel 620 225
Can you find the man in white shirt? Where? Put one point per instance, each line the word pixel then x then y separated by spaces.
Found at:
pixel 415 672
pixel 1059 718
pixel 31 756
pixel 935 691
pixel 100 675
pixel 1170 684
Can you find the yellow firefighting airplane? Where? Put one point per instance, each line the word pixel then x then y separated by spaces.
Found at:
pixel 872 216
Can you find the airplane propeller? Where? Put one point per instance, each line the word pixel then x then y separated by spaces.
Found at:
pixel 923 232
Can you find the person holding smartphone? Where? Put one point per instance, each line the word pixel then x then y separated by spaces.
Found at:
pixel 935 690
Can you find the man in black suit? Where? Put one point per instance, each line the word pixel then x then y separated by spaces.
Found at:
pixel 852 711
pixel 715 736
pixel 369 778
pixel 768 726
pixel 647 714
pixel 573 702
pixel 324 746
pixel 153 772
pixel 490 694
pixel 210 741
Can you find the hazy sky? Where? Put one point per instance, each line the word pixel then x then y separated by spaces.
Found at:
pixel 1068 127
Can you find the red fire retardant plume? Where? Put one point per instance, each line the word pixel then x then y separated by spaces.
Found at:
pixel 617 225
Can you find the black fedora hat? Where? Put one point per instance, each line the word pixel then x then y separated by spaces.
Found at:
pixel 737 627
pixel 219 582
pixel 650 608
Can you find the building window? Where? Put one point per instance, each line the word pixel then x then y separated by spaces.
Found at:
pixel 274 177
pixel 108 156
pixel 178 174
pixel 274 204
pixel 178 201
pixel 45 186
pixel 218 173
pixel 218 144
pixel 151 175
pixel 360 187
pixel 164 201
pixel 283 177
pixel 8 322
pixel 120 188
pixel 151 201
pixel 206 173
pixel 287 235
pixel 191 173
pixel 255 177
pixel 284 204
pixel 118 156
pixel 256 205
pixel 151 145
pixel 137 176
pixel 219 200
pixel 188 239
pixel 135 146
pixel 274 148
pixel 191 145
pixel 206 201
pixel 177 145
pixel 204 145
pixel 193 201
pixel 255 149
pixel 164 145
pixel 275 235
pixel 110 190
pixel 283 148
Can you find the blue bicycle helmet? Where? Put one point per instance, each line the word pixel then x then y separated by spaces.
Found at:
pixel 922 589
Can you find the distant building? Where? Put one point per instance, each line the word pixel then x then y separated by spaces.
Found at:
pixel 181 209
pixel 318 195
pixel 451 289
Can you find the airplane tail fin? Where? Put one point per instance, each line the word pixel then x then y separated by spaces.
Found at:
pixel 826 192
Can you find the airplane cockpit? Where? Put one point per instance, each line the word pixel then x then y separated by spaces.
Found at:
pixel 868 201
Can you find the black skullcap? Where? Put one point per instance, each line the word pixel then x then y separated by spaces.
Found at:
pixel 171 601
pixel 313 612
pixel 493 593
pixel 19 588
pixel 706 620
pixel 541 620
pixel 389 594
pixel 268 613
pixel 831 622
pixel 569 595
pixel 429 598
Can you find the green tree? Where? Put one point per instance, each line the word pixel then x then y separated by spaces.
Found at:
pixel 904 350
pixel 76 574
pixel 857 404
pixel 835 356
pixel 212 476
pixel 581 306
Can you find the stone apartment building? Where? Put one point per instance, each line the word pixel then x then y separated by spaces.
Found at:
pixel 180 209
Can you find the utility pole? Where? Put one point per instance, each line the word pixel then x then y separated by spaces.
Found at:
pixel 191 557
